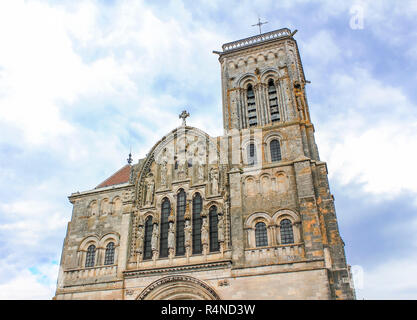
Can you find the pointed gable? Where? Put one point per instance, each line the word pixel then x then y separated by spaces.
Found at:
pixel 121 176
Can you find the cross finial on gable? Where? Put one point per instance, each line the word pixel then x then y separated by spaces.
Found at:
pixel 130 160
pixel 183 116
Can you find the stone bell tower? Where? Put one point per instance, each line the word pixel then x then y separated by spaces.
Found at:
pixel 276 171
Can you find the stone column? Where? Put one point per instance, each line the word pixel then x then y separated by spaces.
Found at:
pixel 308 210
pixel 272 234
pixel 124 239
pixel 237 232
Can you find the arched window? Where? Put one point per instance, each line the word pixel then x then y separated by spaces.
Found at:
pixel 163 239
pixel 109 255
pixel 251 150
pixel 213 221
pixel 250 95
pixel 273 101
pixel 287 235
pixel 197 206
pixel 261 235
pixel 275 150
pixel 91 256
pixel 181 203
pixel 147 248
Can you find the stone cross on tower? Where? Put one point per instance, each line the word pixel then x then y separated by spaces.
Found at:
pixel 259 24
pixel 183 116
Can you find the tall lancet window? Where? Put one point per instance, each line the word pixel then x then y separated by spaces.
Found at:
pixel 250 95
pixel 273 101
pixel 147 248
pixel 261 235
pixel 214 236
pixel 181 203
pixel 287 235
pixel 197 206
pixel 91 256
pixel 275 150
pixel 163 239
pixel 251 150
pixel 109 255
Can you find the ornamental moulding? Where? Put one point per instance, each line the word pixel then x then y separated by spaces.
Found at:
pixel 185 268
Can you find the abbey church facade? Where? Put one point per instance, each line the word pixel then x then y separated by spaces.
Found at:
pixel 247 215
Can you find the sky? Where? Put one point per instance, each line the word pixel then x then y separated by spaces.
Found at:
pixel 82 82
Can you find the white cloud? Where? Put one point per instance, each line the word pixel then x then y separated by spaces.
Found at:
pixel 41 71
pixel 391 280
pixel 372 138
pixel 29 286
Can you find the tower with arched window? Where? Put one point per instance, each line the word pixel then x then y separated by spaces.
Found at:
pixel 245 215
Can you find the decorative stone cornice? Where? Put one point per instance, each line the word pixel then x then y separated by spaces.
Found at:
pixel 251 41
pixel 184 268
pixel 76 195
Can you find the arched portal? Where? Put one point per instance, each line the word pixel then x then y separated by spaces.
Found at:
pixel 178 287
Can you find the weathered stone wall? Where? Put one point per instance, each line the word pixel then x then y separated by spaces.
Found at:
pixel 96 219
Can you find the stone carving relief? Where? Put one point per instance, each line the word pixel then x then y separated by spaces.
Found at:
pixel 200 172
pixel 214 181
pixel 139 239
pixel 150 190
pixel 187 236
pixel 164 173
pixel 205 234
pixel 154 240
pixel 182 170
pixel 171 236
pixel 220 228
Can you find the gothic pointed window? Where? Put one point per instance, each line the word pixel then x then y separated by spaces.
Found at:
pixel 275 150
pixel 147 248
pixel 163 239
pixel 287 235
pixel 252 117
pixel 197 206
pixel 273 101
pixel 251 150
pixel 109 254
pixel 181 204
pixel 213 228
pixel 261 235
pixel 91 256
